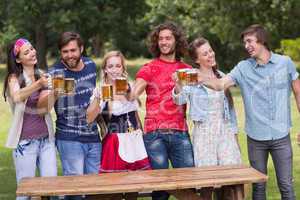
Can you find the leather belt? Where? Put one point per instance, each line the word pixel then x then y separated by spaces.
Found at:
pixel 168 130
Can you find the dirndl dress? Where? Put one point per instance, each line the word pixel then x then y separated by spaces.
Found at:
pixel 123 148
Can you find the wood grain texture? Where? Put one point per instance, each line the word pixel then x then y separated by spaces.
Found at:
pixel 140 181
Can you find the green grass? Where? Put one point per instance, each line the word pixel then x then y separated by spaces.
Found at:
pixel 7 173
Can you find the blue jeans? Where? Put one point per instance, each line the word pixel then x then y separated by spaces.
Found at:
pixel 32 154
pixel 79 158
pixel 282 155
pixel 161 147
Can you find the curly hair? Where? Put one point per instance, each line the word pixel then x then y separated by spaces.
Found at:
pixel 180 39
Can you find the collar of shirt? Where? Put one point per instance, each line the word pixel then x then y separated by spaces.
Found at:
pixel 272 60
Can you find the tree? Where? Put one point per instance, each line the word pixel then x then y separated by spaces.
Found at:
pixel 98 21
pixel 221 21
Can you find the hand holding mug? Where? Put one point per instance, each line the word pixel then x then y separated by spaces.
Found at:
pixel 43 80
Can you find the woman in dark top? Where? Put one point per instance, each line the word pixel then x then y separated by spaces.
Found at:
pixel 31 133
pixel 123 148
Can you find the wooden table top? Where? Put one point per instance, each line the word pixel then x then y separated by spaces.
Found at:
pixel 140 181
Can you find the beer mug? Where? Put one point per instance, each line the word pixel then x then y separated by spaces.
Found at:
pixel 192 77
pixel 121 85
pixel 69 86
pixel 107 92
pixel 58 81
pixel 181 75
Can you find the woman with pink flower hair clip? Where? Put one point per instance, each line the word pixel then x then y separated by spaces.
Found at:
pixel 31 135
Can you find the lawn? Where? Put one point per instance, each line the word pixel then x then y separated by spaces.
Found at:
pixel 7 173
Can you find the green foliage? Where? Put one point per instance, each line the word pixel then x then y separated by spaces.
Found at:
pixel 97 21
pixel 6 36
pixel 221 21
pixel 291 47
pixel 124 24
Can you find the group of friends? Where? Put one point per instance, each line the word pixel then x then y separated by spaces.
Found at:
pixel 266 80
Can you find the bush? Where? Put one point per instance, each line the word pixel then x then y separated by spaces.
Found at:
pixel 291 47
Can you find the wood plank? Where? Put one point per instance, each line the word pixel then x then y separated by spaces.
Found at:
pixel 141 181
pixel 239 192
pixel 189 194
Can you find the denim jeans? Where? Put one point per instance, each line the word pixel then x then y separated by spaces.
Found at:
pixel 32 154
pixel 79 158
pixel 162 147
pixel 282 155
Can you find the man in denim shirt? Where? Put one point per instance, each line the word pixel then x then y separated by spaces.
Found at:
pixel 266 80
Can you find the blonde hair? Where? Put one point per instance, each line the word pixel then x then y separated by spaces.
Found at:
pixel 104 63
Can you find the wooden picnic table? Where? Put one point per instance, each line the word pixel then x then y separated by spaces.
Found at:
pixel 179 182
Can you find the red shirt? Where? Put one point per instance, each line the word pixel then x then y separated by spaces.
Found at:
pixel 161 112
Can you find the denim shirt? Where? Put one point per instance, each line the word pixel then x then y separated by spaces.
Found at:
pixel 266 91
pixel 198 97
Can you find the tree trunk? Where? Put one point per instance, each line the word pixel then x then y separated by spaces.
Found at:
pixel 40 45
pixel 97 45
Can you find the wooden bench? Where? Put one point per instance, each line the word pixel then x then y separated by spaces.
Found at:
pixel 179 182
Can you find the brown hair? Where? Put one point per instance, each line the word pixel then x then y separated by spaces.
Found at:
pixel 193 46
pixel 66 37
pixel 15 68
pixel 180 39
pixel 104 63
pixel 260 33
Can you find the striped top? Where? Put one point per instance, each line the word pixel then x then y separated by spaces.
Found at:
pixel 70 110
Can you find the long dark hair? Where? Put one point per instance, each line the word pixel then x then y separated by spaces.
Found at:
pixel 14 68
pixel 197 43
pixel 180 39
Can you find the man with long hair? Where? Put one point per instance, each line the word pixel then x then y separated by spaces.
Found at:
pixel 266 80
pixel 166 132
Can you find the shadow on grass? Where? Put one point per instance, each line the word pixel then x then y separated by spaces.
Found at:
pixel 7 174
pixel 2 73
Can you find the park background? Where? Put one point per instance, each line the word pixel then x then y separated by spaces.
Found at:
pixel 124 24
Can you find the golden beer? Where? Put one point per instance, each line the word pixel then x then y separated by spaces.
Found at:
pixel 69 86
pixel 192 77
pixel 58 83
pixel 181 74
pixel 121 86
pixel 107 92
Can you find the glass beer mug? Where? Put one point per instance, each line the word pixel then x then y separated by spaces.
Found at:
pixel 192 77
pixel 181 74
pixel 107 92
pixel 121 85
pixel 58 81
pixel 69 86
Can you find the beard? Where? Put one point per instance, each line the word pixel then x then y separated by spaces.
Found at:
pixel 73 63
pixel 170 52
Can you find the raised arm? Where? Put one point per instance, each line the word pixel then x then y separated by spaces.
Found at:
pixel 21 94
pixel 93 110
pixel 46 101
pixel 219 84
pixel 179 96
pixel 137 89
